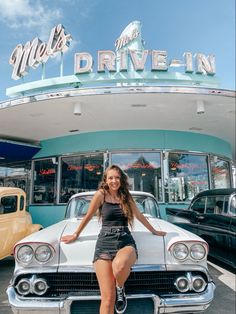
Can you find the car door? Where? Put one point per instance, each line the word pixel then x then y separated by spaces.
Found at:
pixel 214 226
pixel 195 213
pixel 14 220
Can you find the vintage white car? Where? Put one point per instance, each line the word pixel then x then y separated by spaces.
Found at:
pixel 170 275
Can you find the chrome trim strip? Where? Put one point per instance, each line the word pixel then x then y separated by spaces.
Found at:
pixel 140 267
pixel 171 89
pixel 135 268
pixel 190 268
pixel 33 270
pixel 90 268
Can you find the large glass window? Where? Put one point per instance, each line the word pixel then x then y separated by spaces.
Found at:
pixel 16 174
pixel 143 170
pixel 44 181
pixel 80 173
pixel 220 173
pixel 188 175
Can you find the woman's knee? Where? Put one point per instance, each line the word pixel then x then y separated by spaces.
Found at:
pixel 119 266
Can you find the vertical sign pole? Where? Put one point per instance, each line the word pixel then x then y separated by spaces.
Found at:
pixel 61 67
pixel 43 71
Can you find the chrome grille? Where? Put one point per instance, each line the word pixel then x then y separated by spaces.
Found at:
pixel 63 284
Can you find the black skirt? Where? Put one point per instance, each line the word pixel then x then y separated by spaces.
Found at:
pixel 111 240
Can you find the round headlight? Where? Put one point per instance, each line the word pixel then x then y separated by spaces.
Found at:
pixel 43 253
pixel 23 287
pixel 199 284
pixel 197 251
pixel 40 286
pixel 25 254
pixel 182 284
pixel 180 251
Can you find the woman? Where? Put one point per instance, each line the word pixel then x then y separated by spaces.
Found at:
pixel 115 251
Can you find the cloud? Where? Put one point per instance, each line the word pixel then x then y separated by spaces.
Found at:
pixel 30 15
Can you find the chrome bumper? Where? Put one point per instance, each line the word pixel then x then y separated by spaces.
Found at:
pixel 171 304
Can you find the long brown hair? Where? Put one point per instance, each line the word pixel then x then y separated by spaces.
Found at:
pixel 123 192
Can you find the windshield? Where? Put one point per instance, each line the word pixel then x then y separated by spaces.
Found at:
pixel 78 206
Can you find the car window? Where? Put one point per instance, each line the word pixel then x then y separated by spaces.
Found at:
pixel 150 208
pixel 22 202
pixel 199 205
pixel 210 205
pixel 9 204
pixel 78 207
pixel 232 208
pixel 226 205
pixel 147 206
pixel 215 205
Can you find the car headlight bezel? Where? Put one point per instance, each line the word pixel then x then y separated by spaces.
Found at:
pixel 193 251
pixel 197 251
pixel 34 247
pixel 20 259
pixel 180 248
pixel 37 254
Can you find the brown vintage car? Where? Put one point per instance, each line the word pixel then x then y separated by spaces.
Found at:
pixel 15 221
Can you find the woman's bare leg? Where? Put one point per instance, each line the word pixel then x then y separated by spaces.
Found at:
pixel 106 282
pixel 122 263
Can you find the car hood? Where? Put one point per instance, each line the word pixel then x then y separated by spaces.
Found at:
pixel 151 248
pixel 81 251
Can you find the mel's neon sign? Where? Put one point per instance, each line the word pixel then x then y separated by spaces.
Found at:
pixel 37 52
pixel 130 55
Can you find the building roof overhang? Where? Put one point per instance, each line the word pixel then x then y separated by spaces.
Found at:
pixel 52 114
pixel 11 151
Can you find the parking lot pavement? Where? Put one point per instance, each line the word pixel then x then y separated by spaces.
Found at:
pixel 224 278
pixel 6 271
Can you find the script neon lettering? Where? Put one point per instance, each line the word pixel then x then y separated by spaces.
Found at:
pixel 36 52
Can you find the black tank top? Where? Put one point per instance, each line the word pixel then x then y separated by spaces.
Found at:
pixel 113 215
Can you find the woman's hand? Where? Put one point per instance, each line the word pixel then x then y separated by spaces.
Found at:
pixel 69 238
pixel 159 233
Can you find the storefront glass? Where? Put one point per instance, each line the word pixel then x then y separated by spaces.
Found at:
pixel 16 175
pixel 143 170
pixel 188 175
pixel 80 173
pixel 185 174
pixel 44 187
pixel 220 170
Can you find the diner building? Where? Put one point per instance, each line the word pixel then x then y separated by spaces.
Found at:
pixel 166 122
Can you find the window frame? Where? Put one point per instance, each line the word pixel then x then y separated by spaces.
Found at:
pixel 59 176
pixel 184 152
pixel 55 162
pixel 136 151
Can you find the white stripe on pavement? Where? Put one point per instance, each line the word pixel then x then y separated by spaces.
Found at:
pixel 228 278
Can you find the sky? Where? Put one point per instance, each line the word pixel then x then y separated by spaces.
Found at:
pixel 176 26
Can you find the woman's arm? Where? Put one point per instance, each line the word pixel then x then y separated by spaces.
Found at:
pixel 95 203
pixel 144 221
